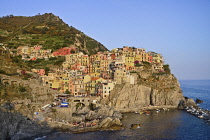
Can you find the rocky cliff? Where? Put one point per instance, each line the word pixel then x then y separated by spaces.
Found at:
pixel 16 126
pixel 149 90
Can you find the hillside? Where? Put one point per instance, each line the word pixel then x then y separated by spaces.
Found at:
pixel 47 30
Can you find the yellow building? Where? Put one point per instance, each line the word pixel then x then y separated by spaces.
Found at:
pixel 129 62
pixel 107 88
pixel 120 76
pixel 55 83
pixel 93 83
pixel 64 84
pixel 79 86
pixel 73 58
pixel 95 74
pixel 156 57
pixel 95 57
pixel 138 57
pixel 85 60
pixel 23 50
pixel 87 78
pixel 104 65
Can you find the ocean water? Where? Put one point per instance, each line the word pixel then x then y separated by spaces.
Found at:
pixel 166 125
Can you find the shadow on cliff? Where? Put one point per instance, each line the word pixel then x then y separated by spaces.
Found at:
pixel 16 126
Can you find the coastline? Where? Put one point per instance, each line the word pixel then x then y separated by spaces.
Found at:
pixel 146 108
pixel 78 128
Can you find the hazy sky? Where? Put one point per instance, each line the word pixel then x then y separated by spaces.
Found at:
pixel 178 29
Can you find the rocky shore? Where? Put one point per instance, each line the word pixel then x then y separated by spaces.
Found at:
pixel 84 120
pixel 191 107
pixel 16 126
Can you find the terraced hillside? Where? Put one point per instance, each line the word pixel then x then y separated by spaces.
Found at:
pixel 47 30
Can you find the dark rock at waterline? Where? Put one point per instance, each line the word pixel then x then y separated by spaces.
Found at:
pixel 186 102
pixel 198 101
pixel 134 126
pixel 16 126
pixel 190 102
pixel 8 106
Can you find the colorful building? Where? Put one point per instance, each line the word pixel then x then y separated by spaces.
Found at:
pixel 64 51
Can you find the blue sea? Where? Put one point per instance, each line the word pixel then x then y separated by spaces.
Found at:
pixel 166 125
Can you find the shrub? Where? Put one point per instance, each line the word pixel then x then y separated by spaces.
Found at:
pixel 133 72
pixel 53 58
pixel 22 89
pixel 2 72
pixel 167 69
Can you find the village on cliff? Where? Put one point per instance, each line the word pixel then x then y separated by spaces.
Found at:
pixel 95 75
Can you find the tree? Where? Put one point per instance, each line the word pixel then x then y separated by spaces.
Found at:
pixel 67 92
pixel 137 63
pixel 47 69
pixel 167 69
pixel 72 51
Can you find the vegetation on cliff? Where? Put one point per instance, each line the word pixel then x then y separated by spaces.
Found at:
pixel 150 89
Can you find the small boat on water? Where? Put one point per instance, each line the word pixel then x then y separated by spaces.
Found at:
pixel 165 109
pixel 157 110
pixel 147 112
pixel 141 112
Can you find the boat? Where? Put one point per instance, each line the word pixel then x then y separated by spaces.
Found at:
pixel 157 110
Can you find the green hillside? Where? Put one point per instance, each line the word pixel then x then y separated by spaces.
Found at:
pixel 47 30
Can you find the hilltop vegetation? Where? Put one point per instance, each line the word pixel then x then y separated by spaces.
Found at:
pixel 47 30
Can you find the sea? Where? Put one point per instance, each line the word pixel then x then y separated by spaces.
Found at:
pixel 172 124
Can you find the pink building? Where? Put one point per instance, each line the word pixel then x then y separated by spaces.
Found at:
pixel 150 59
pixel 41 72
pixel 37 47
pixel 76 66
pixel 71 87
pixel 99 89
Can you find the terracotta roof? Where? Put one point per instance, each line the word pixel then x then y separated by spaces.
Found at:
pixel 95 78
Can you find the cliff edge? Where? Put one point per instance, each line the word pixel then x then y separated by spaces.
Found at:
pixel 149 89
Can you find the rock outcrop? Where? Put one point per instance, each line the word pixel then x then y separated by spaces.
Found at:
pixel 187 102
pixel 102 118
pixel 15 126
pixel 161 90
pixel 198 101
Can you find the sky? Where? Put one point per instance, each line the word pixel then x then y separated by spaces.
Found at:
pixel 177 29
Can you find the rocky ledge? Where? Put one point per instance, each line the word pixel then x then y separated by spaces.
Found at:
pixel 164 91
pixel 16 126
pixel 191 107
pixel 84 120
